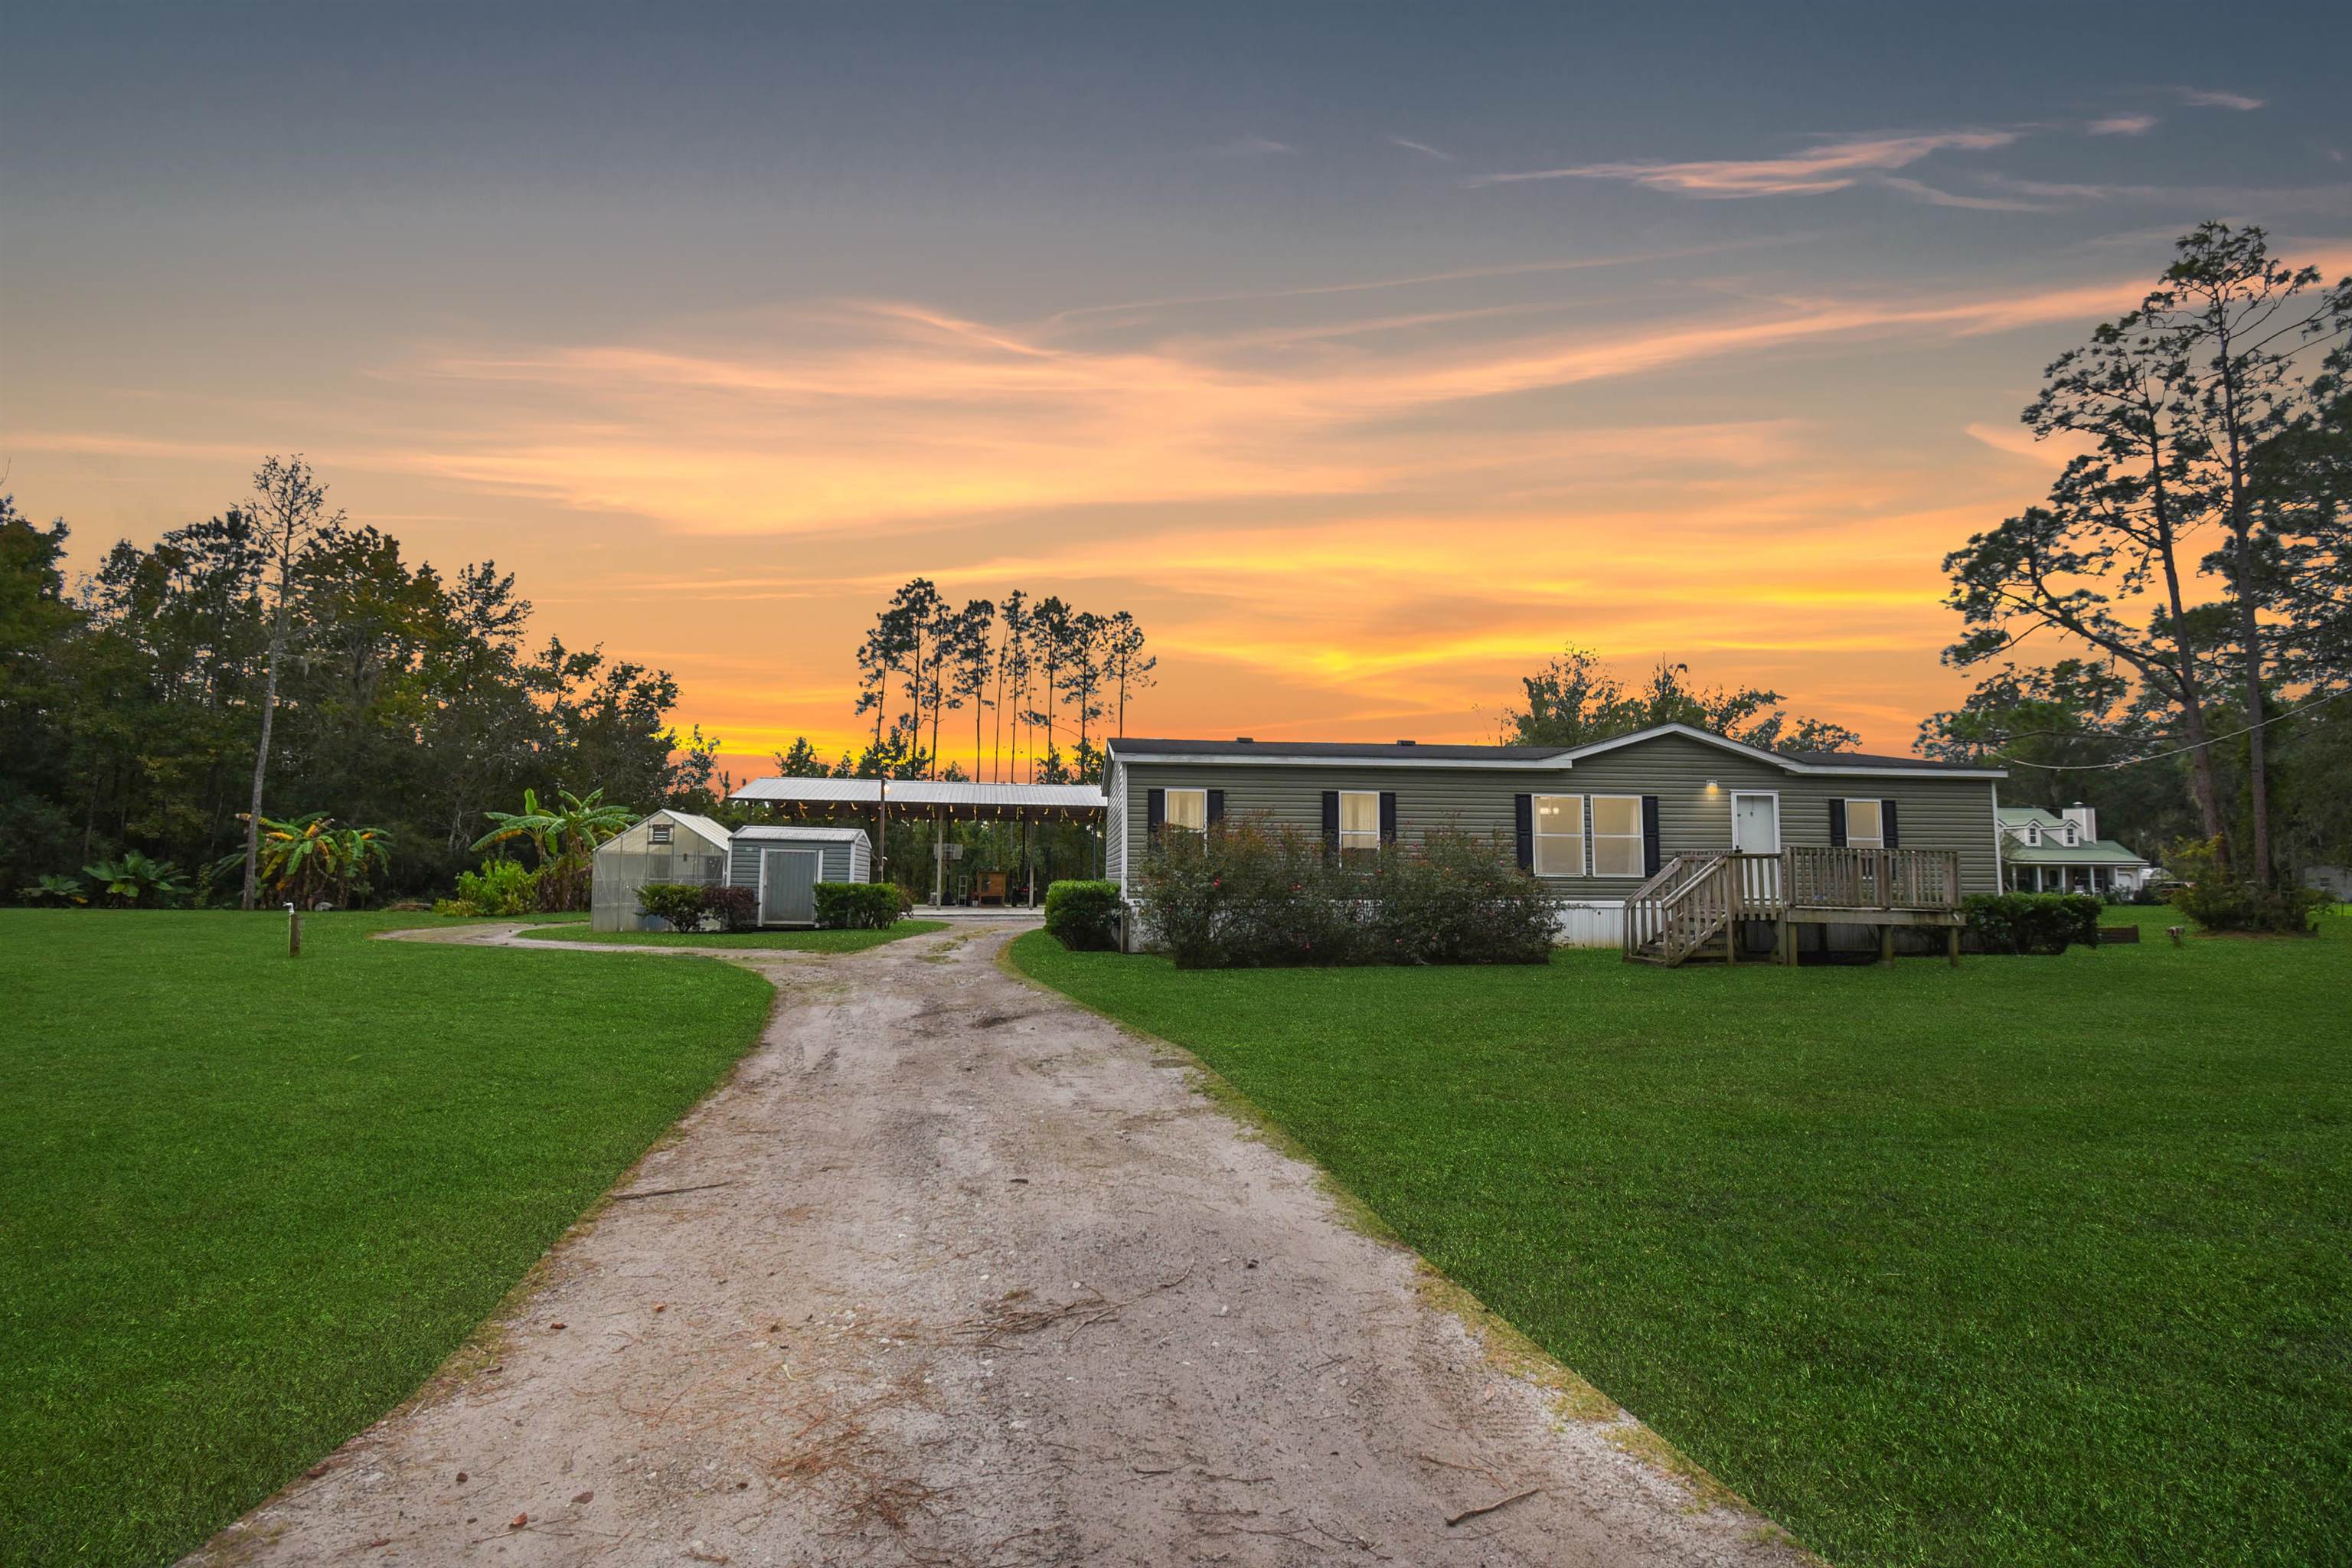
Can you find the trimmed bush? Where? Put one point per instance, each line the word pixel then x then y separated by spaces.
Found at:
pixel 1083 916
pixel 2045 923
pixel 858 906
pixel 679 903
pixel 735 908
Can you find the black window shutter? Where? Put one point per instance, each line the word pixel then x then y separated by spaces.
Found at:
pixel 1523 815
pixel 1330 822
pixel 1155 814
pixel 1893 840
pixel 1216 806
pixel 1388 817
pixel 1837 825
pixel 1652 856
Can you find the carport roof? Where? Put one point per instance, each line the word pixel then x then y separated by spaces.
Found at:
pixel 951 797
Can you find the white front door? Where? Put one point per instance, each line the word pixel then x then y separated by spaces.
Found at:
pixel 1756 824
pixel 1755 830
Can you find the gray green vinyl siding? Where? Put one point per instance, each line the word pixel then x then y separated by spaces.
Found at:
pixel 842 862
pixel 1115 820
pixel 1930 813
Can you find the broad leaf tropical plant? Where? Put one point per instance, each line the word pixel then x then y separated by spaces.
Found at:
pixel 563 833
pixel 58 892
pixel 132 880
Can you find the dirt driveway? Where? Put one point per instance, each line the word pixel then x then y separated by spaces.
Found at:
pixel 953 1273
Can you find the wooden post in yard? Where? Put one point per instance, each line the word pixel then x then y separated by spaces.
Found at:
pixel 293 932
pixel 1886 944
pixel 1952 944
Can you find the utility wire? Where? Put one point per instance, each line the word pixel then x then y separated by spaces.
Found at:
pixel 2159 756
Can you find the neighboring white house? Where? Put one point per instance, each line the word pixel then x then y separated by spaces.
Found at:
pixel 2061 852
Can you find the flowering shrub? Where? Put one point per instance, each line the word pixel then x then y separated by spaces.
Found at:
pixel 1459 899
pixel 1246 895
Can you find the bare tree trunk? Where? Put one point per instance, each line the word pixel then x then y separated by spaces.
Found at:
pixel 261 759
pixel 2250 629
pixel 2202 781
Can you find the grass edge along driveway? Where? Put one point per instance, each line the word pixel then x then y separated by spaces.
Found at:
pixel 2039 1260
pixel 254 1202
pixel 744 941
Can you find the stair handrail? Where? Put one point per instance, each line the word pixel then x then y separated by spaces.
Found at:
pixel 1647 910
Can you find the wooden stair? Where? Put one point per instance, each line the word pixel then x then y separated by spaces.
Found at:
pixel 1675 916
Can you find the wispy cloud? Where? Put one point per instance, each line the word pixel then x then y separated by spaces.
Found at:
pixel 1252 147
pixel 1419 280
pixel 2208 98
pixel 900 413
pixel 1942 199
pixel 1833 166
pixel 2124 125
pixel 1410 145
pixel 2233 201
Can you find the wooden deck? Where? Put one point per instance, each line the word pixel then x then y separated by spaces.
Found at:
pixel 1694 906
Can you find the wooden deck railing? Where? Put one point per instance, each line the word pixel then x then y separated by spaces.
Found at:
pixel 1694 897
pixel 1872 879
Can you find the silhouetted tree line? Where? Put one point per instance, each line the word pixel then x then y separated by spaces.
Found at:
pixel 1027 674
pixel 132 701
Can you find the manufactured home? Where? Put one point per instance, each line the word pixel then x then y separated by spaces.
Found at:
pixel 1672 842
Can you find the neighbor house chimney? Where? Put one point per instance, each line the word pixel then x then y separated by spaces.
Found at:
pixel 2084 819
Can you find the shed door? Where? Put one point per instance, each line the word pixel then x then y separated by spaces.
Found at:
pixel 788 887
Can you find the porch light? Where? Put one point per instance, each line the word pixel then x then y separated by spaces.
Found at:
pixel 1712 787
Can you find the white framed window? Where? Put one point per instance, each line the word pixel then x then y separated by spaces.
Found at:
pixel 1617 835
pixel 1865 825
pixel 2032 836
pixel 1185 808
pixel 1559 835
pixel 1360 820
pixel 657 834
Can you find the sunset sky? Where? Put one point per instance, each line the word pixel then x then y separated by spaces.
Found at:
pixel 1368 354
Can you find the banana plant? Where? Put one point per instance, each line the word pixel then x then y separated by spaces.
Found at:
pixel 563 834
pixel 304 858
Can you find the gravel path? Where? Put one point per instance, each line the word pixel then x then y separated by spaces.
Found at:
pixel 953 1273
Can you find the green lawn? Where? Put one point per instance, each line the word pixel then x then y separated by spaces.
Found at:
pixel 789 941
pixel 2040 1260
pixel 251 1203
